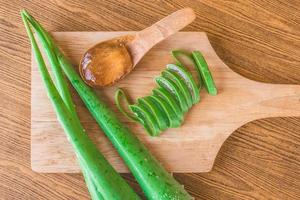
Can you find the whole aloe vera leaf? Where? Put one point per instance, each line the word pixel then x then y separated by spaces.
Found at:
pixel 62 88
pixel 60 82
pixel 108 182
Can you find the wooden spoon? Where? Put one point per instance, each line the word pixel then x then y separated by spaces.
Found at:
pixel 109 61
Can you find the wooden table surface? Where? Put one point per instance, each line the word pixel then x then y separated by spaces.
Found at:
pixel 258 39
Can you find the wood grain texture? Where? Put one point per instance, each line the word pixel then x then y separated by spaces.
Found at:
pixel 258 39
pixel 206 126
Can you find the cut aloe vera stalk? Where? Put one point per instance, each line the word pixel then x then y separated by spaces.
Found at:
pixel 177 53
pixel 121 94
pixel 169 85
pixel 151 111
pixel 205 73
pixel 173 119
pixel 188 78
pixel 146 118
pixel 170 99
pixel 180 83
pixel 159 113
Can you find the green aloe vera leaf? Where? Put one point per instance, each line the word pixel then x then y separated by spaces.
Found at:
pixel 92 161
pixel 64 92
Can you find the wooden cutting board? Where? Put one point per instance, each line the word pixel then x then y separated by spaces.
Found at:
pixel 190 148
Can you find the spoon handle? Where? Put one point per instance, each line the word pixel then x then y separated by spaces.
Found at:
pixel 147 38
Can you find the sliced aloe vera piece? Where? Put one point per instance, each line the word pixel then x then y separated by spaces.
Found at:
pixel 121 94
pixel 151 117
pixel 189 80
pixel 205 73
pixel 177 53
pixel 169 84
pixel 170 100
pixel 155 110
pixel 173 119
pixel 180 84
pixel 145 119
